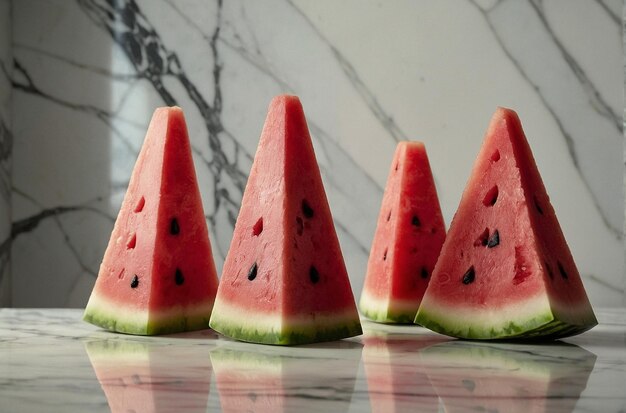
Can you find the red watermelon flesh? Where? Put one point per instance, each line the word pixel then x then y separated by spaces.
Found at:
pixel 145 377
pixel 158 274
pixel 284 279
pixel 505 269
pixel 408 239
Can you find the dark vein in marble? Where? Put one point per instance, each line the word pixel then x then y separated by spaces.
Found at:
pixel 258 61
pixel 6 141
pixel 6 150
pixel 22 81
pixel 359 85
pixel 605 283
pixel 364 249
pixel 123 77
pixel 569 141
pixel 595 97
pixel 615 17
pixel 130 29
pixel 28 224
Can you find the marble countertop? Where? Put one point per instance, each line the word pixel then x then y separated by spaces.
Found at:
pixel 51 361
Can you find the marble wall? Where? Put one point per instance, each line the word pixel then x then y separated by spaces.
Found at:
pixel 6 143
pixel 87 75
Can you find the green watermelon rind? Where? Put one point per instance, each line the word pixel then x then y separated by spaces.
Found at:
pixel 114 317
pixel 541 324
pixel 384 312
pixel 387 317
pixel 267 330
pixel 508 328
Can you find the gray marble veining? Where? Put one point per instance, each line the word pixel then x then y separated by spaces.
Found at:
pixel 6 147
pixel 86 75
pixel 52 361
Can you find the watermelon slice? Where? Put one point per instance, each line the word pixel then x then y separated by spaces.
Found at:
pixel 285 379
pixel 496 377
pixel 147 377
pixel 505 269
pixel 158 275
pixel 284 279
pixel 407 242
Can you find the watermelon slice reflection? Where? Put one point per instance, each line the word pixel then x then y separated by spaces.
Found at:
pixel 505 377
pixel 144 376
pixel 258 379
pixel 395 378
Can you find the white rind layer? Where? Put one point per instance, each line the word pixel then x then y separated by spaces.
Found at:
pixel 387 310
pixel 128 319
pixel 275 328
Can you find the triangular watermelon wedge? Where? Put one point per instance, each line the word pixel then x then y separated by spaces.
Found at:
pixel 158 274
pixel 284 279
pixel 408 239
pixel 505 270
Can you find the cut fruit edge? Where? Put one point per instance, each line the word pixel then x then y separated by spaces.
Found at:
pixel 535 317
pixel 258 327
pixel 387 310
pixel 116 317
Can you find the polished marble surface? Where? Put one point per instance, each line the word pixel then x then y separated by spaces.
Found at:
pixel 86 75
pixel 51 361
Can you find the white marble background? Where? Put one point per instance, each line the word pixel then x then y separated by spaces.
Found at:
pixel 6 145
pixel 86 77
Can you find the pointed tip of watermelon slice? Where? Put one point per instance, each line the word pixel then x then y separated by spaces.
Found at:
pixel 507 116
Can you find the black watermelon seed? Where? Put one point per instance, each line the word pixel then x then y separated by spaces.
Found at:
pixel 314 275
pixel 424 273
pixel 494 240
pixel 306 209
pixel 562 270
pixel 550 273
pixel 469 276
pixel 468 384
pixel 537 205
pixel 179 277
pixel 174 227
pixel 252 272
pixel 483 239
pixel 135 282
pixel 415 221
pixel 389 216
pixel 385 255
